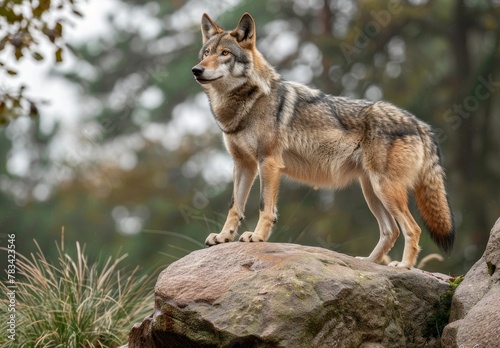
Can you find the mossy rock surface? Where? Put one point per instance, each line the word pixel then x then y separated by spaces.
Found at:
pixel 286 295
pixel 475 306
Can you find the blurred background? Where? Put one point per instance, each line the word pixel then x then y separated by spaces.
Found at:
pixel 121 151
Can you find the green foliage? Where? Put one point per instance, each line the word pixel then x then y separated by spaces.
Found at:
pixel 491 268
pixel 24 23
pixel 75 302
pixel 436 323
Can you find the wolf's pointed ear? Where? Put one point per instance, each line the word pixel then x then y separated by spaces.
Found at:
pixel 245 31
pixel 209 28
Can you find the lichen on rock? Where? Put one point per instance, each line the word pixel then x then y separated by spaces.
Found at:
pixel 286 295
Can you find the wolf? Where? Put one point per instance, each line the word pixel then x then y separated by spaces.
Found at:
pixel 273 127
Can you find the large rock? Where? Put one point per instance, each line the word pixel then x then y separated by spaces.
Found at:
pixel 475 310
pixel 284 295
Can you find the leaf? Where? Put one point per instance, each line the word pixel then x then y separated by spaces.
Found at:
pixel 12 17
pixel 4 41
pixel 18 53
pixel 51 36
pixel 43 6
pixel 33 110
pixel 58 54
pixel 38 56
pixel 49 33
pixel 11 72
pixel 58 29
pixel 78 13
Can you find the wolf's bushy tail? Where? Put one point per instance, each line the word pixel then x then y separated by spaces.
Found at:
pixel 430 194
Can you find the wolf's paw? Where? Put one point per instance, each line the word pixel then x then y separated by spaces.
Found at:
pixel 217 238
pixel 250 237
pixel 399 264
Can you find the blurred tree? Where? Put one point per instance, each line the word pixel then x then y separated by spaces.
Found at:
pixel 146 170
pixel 26 24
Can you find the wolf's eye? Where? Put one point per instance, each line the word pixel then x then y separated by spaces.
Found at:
pixel 205 54
pixel 225 53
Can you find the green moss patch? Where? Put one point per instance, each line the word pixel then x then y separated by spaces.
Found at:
pixel 437 321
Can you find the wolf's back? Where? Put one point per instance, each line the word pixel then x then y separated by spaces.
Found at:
pixel 430 193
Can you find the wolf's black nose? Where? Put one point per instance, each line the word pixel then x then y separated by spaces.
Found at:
pixel 198 70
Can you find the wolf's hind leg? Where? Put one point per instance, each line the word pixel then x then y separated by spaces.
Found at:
pixel 395 199
pixel 389 230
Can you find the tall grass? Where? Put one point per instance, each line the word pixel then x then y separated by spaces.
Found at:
pixel 72 303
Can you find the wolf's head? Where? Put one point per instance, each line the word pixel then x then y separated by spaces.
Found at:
pixel 229 59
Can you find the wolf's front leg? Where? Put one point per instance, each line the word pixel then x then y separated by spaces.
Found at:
pixel 244 174
pixel 269 172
